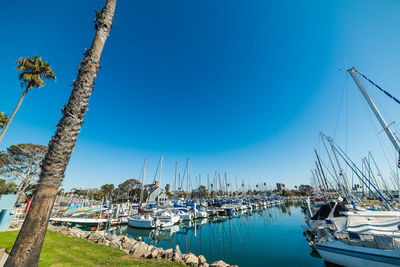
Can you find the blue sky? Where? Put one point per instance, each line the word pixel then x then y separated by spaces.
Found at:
pixel 238 86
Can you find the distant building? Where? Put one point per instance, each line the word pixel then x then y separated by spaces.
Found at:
pixel 155 193
pixel 280 187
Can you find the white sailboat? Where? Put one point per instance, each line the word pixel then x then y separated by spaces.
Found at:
pixel 364 238
pixel 166 218
pixel 145 221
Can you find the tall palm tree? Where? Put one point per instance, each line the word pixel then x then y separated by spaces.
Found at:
pixel 27 247
pixel 33 71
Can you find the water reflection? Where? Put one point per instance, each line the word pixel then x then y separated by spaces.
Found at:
pixel 273 235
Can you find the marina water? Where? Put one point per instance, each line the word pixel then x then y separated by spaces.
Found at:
pixel 270 237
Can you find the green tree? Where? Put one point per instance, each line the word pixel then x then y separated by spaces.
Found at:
pixel 3 120
pixel 107 189
pixel 98 195
pixel 167 188
pixel 33 72
pixel 22 163
pixel 27 247
pixel 30 191
pixel 305 189
pixel 128 189
pixel 203 191
pixel 7 188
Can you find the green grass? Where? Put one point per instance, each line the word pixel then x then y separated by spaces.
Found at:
pixel 60 250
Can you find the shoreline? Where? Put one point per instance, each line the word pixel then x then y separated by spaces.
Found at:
pixel 138 249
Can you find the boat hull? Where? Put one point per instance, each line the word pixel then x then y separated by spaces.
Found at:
pixel 150 224
pixel 347 255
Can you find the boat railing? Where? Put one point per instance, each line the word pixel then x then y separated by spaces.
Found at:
pixel 387 240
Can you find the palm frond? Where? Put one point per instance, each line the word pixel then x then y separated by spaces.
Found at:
pixel 33 71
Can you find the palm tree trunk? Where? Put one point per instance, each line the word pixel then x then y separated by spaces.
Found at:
pixel 26 250
pixel 13 114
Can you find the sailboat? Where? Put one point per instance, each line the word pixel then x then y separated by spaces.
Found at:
pixel 364 238
pixel 143 220
pixel 166 218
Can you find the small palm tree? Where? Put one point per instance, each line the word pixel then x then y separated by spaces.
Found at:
pixel 33 71
pixel 3 120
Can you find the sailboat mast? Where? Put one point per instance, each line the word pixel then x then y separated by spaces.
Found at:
pixel 340 186
pixel 187 177
pixel 160 174
pixel 341 172
pixel 372 105
pixel 321 170
pixel 236 183
pixel 208 182
pixel 141 191
pixel 176 169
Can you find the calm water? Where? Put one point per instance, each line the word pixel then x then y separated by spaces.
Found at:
pixel 272 237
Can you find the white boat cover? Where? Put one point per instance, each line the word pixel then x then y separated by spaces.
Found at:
pixel 373 225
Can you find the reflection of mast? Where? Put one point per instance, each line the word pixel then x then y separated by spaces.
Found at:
pixel 195 223
pixel 223 237
pixel 230 236
pixel 201 248
pixel 209 237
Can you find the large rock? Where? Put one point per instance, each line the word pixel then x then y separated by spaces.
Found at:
pixel 63 231
pixel 177 257
pixel 150 247
pixel 94 236
pixel 115 244
pixel 168 254
pixel 146 254
pixel 219 264
pixel 204 265
pixel 153 254
pixel 202 259
pixel 109 236
pixel 126 244
pixel 191 259
pixel 123 238
pixel 139 249
pixel 136 245
pixel 101 240
pixel 177 250
pixel 140 252
pixel 85 234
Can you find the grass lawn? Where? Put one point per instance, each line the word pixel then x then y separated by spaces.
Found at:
pixel 60 250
